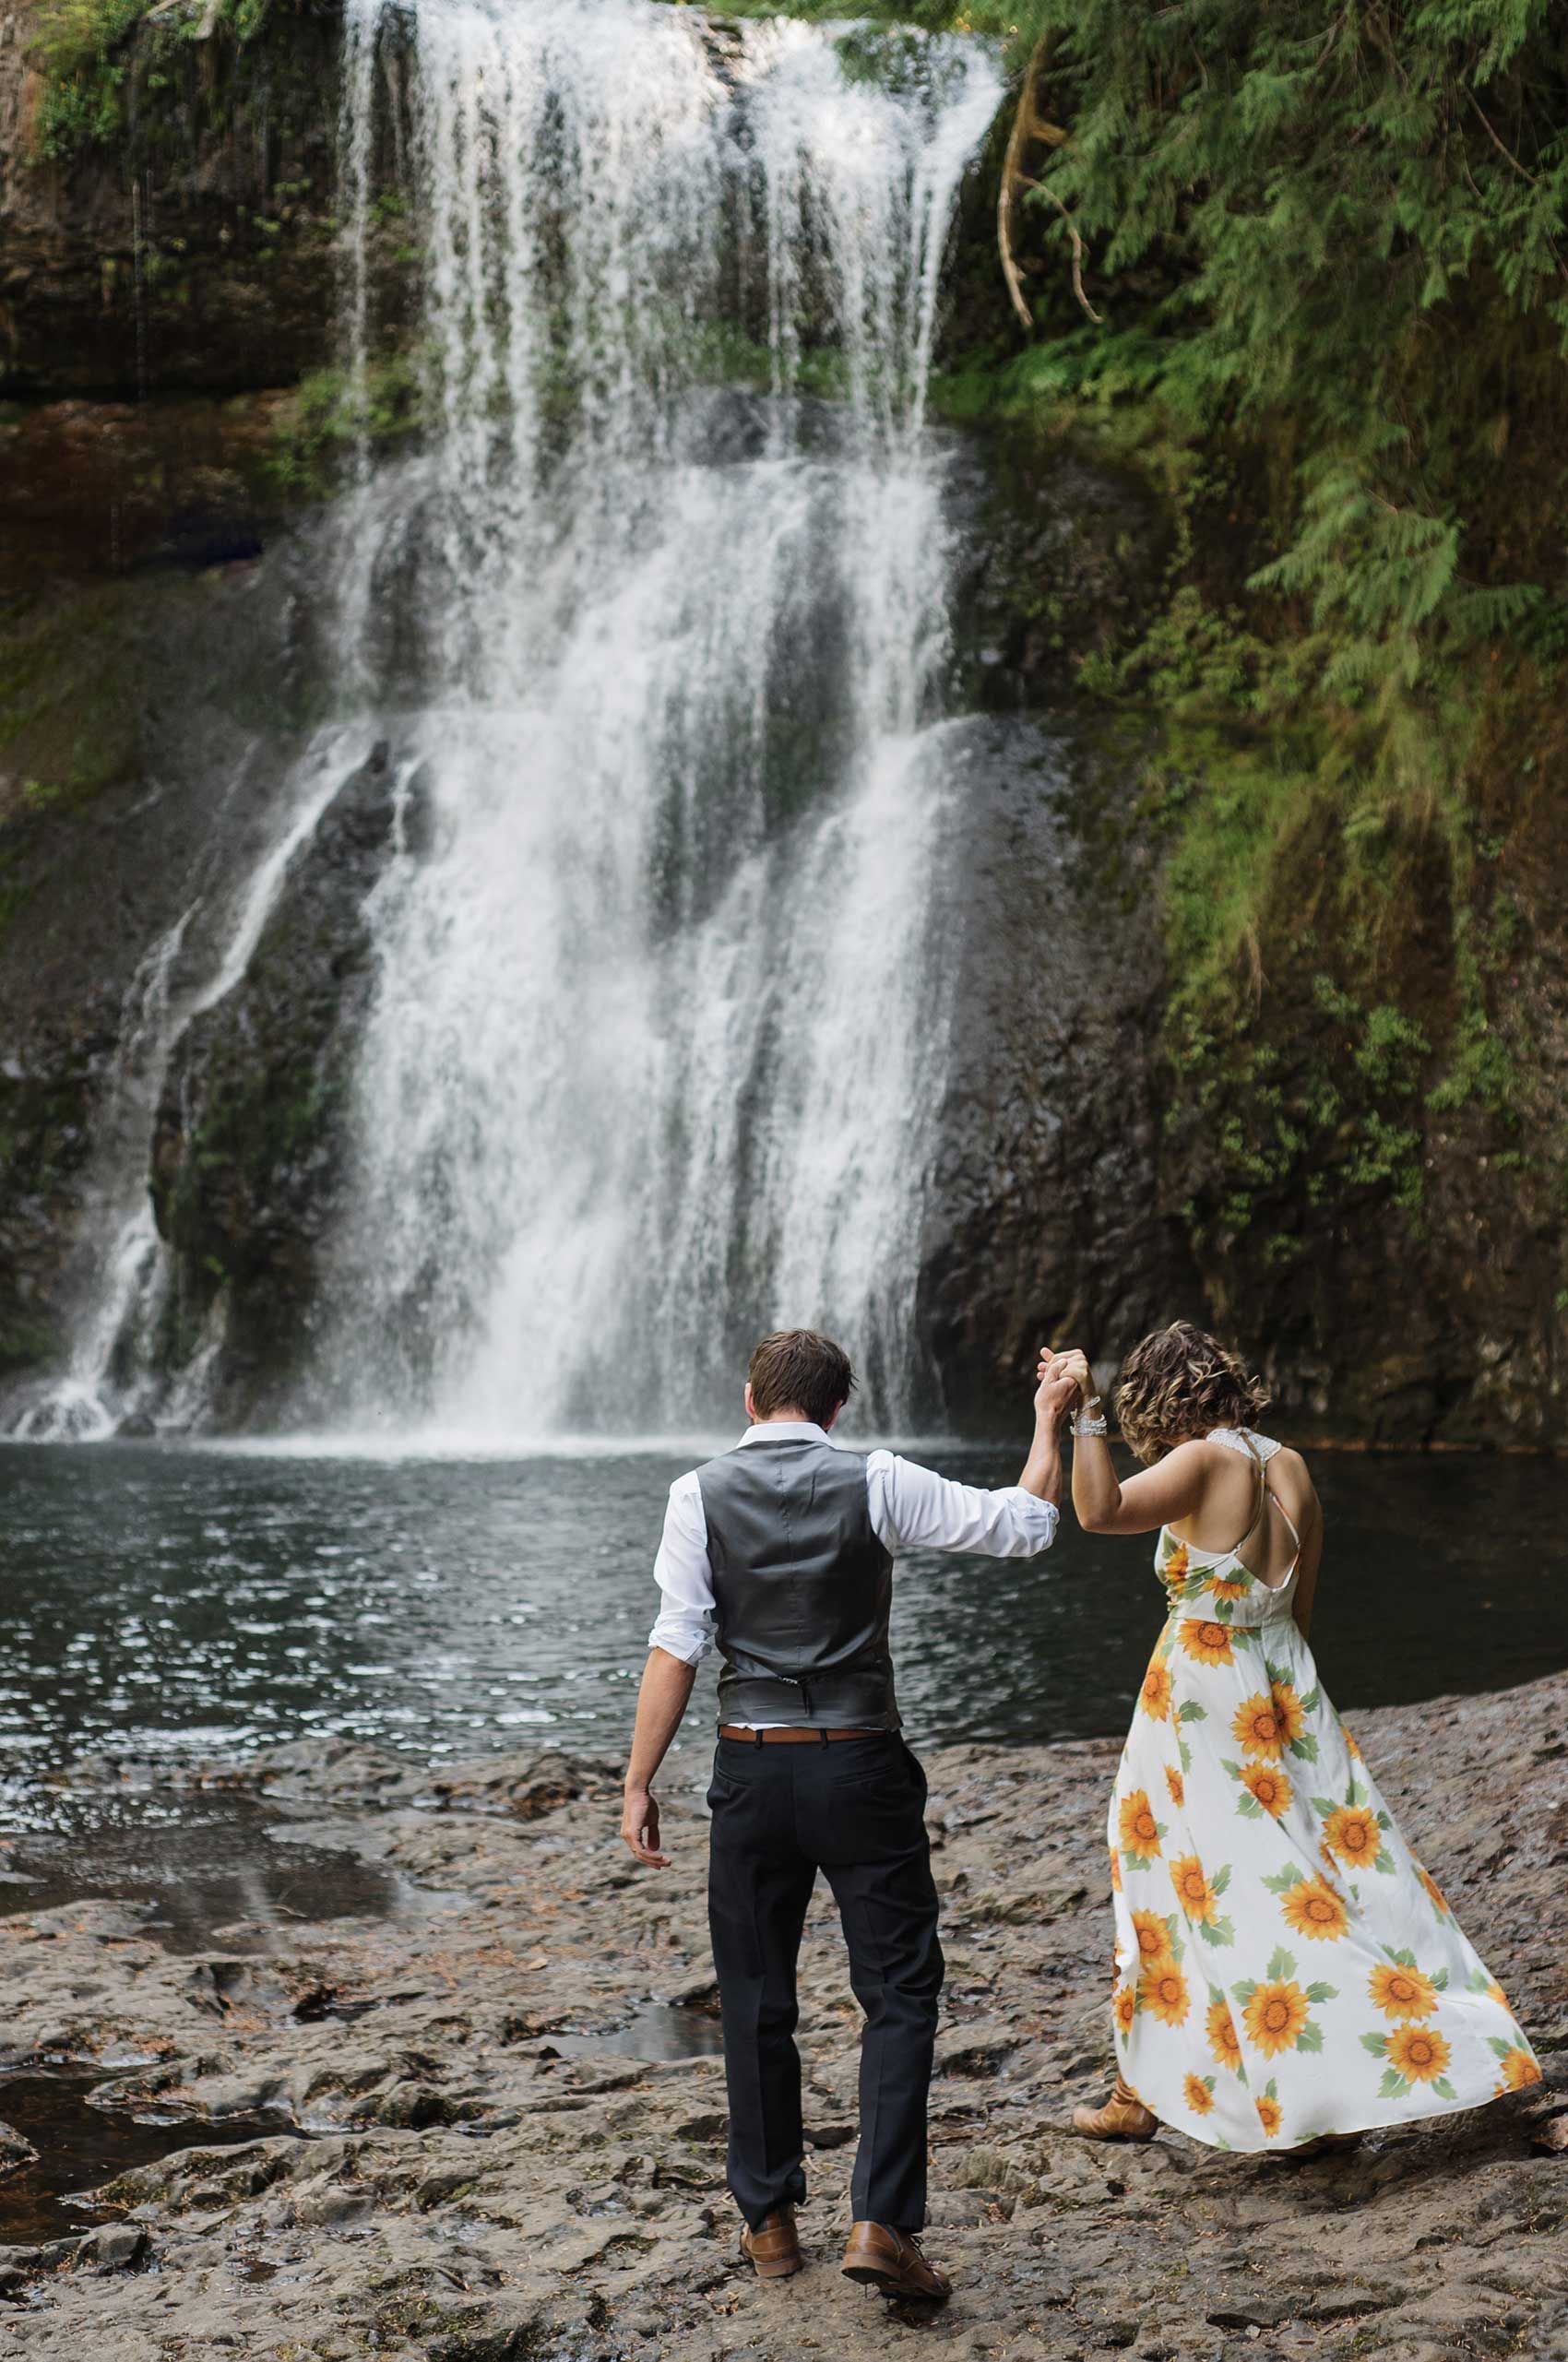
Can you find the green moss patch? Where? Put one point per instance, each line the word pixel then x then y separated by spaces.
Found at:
pixel 83 50
pixel 328 417
pixel 70 694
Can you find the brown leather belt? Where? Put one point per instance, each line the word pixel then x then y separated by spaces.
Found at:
pixel 792 1737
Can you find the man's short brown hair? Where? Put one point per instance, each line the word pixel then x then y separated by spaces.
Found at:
pixel 800 1369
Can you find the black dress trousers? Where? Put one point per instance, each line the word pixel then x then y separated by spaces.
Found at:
pixel 855 1810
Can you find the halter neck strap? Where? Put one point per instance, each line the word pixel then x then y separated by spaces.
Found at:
pixel 1260 1450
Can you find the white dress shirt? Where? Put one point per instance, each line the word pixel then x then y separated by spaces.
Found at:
pixel 910 1507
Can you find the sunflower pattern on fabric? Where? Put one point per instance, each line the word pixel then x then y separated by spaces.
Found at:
pixel 1285 1967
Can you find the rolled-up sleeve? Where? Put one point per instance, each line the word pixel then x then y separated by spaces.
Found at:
pixel 914 1507
pixel 683 1626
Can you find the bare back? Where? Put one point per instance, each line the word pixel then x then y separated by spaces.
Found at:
pixel 1267 1512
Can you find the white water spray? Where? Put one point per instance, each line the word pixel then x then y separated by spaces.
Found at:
pixel 660 1032
pixel 84 1404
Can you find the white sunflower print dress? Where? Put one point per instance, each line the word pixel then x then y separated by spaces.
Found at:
pixel 1285 1967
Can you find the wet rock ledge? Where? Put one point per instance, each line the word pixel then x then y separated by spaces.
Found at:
pixel 470 2164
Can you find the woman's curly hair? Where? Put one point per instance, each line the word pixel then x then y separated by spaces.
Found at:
pixel 1179 1382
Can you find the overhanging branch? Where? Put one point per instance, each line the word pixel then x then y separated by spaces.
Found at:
pixel 1030 126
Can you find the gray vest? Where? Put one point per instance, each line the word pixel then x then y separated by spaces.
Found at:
pixel 801 1587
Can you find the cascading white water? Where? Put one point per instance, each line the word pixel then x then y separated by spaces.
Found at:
pixel 658 620
pixel 658 1034
pixel 84 1402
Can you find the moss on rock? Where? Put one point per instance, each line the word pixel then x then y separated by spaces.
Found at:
pixel 68 699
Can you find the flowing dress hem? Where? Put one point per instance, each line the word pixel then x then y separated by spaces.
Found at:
pixel 1264 2147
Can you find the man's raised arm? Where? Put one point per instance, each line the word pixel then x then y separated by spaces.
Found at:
pixel 920 1510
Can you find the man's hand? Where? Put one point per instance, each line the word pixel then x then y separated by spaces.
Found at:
pixel 1069 1362
pixel 1060 1379
pixel 662 1701
pixel 640 1826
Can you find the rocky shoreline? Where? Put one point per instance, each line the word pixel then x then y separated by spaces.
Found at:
pixel 463 2158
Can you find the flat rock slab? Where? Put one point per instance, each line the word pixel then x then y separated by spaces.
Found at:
pixel 492 2167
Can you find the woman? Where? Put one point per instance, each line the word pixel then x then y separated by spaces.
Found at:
pixel 1286 1970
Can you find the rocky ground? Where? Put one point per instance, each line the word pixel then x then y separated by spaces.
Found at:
pixel 452 2177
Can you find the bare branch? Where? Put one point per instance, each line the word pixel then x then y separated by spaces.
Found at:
pixel 1028 125
pixel 1485 125
pixel 1012 174
pixel 1077 252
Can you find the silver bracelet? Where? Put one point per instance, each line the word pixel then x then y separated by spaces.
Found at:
pixel 1090 1420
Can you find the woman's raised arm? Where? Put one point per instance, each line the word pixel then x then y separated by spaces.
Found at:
pixel 1156 1496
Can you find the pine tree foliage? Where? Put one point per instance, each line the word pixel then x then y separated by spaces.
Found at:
pixel 1353 219
pixel 1329 247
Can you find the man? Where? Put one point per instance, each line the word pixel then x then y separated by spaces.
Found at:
pixel 781 1552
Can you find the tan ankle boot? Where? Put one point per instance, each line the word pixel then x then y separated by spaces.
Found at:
pixel 1124 2116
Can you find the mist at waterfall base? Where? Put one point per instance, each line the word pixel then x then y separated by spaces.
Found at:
pixel 211 1602
pixel 655 644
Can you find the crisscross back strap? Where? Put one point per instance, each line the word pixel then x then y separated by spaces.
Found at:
pixel 1265 1494
pixel 1255 1458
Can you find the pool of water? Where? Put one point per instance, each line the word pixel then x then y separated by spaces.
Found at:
pixel 160 1601
pixel 657 2030
pixel 78 2146
pixel 206 1869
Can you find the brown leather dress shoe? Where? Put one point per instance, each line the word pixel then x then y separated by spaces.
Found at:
pixel 891 2260
pixel 773 2247
pixel 1123 2118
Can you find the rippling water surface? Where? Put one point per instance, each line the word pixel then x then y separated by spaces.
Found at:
pixel 218 1601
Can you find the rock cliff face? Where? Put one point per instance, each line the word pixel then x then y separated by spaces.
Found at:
pixel 162 540
pixel 155 715
pixel 1047 1219
pixel 1048 1215
pixel 251 1126
pixel 1381 1230
pixel 160 295
pixel 1417 1288
pixel 194 250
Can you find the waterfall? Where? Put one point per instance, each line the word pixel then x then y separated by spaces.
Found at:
pixel 657 619
pixel 660 1032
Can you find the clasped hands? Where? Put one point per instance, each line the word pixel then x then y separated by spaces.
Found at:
pixel 1063 1378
